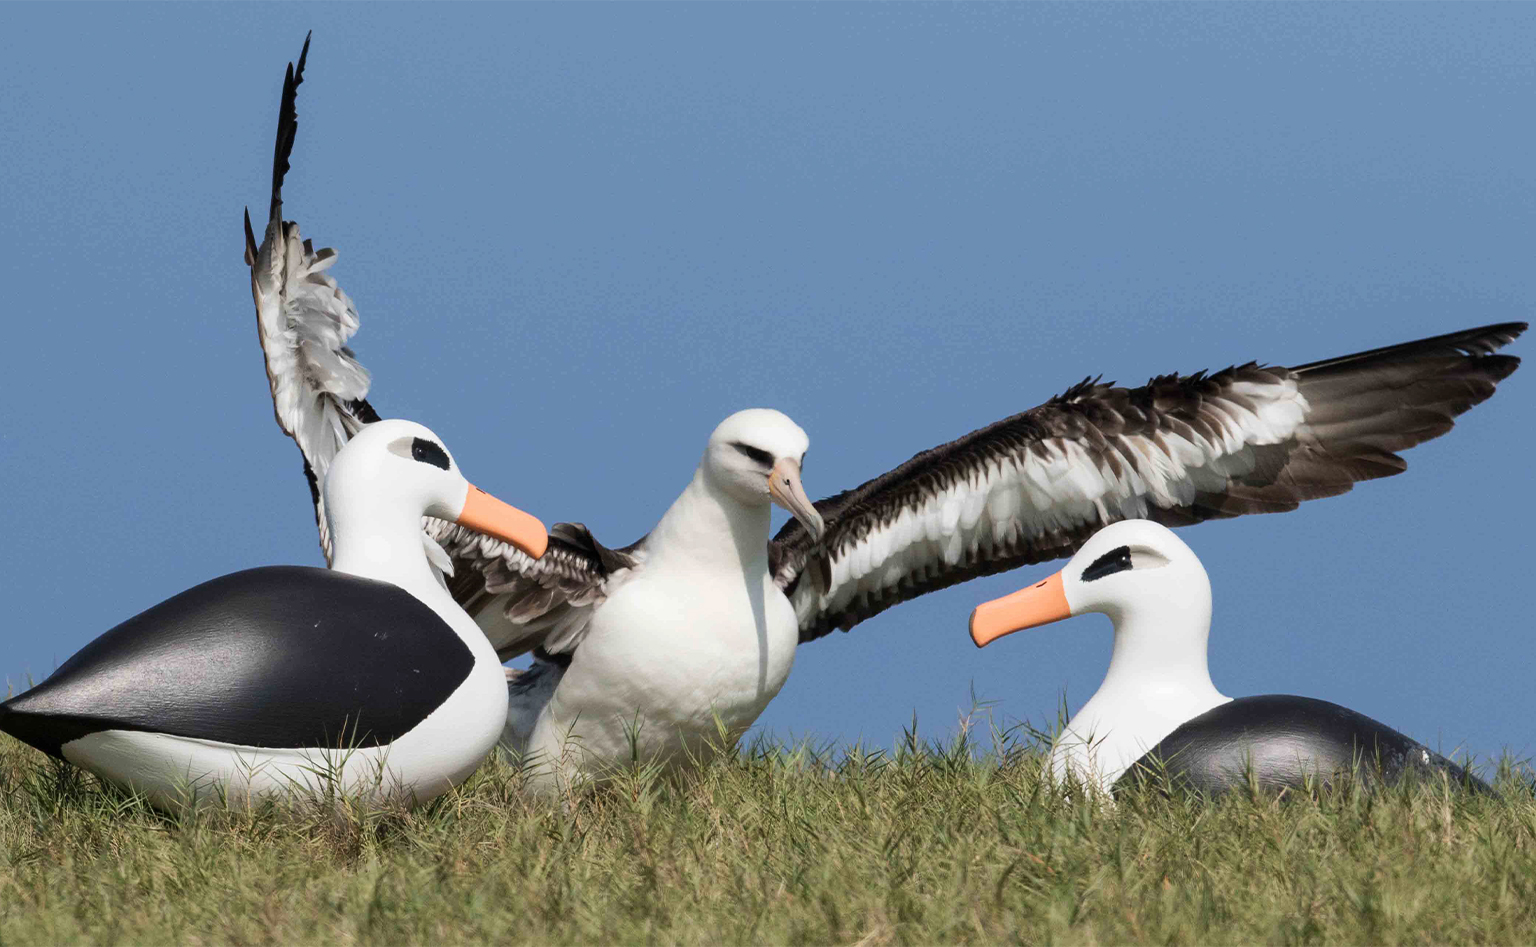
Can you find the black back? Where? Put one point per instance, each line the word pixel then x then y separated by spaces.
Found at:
pixel 283 656
pixel 1283 740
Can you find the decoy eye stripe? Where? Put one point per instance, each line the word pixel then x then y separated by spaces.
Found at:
pixel 429 452
pixel 754 454
pixel 1116 560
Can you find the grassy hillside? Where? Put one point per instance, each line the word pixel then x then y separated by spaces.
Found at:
pixel 932 845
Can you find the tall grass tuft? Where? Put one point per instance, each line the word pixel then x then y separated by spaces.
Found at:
pixel 963 841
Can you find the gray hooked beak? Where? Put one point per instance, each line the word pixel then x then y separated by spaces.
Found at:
pixel 784 486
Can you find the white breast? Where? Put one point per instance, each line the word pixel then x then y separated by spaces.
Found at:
pixel 675 665
pixel 1115 729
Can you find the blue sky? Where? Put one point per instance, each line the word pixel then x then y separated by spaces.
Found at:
pixel 579 236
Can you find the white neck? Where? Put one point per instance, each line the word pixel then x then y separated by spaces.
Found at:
pixel 1158 678
pixel 1161 650
pixel 382 540
pixel 707 529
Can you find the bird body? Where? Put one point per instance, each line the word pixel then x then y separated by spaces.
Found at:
pixel 684 655
pixel 667 692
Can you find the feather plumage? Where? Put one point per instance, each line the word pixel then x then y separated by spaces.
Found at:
pixel 523 603
pixel 1178 450
pixel 304 320
pixel 319 397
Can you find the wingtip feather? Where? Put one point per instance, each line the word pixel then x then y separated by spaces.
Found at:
pixel 287 127
pixel 250 240
pixel 1481 342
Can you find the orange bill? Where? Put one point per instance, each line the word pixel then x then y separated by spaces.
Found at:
pixel 486 514
pixel 1040 604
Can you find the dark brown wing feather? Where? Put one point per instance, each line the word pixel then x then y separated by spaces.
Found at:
pixel 547 602
pixel 1178 450
pixel 303 321
pixel 319 397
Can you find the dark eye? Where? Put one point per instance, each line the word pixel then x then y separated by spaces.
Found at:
pixel 1116 560
pixel 758 456
pixel 429 452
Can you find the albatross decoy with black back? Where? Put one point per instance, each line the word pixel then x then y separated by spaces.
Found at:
pixel 366 677
pixel 695 625
pixel 1157 713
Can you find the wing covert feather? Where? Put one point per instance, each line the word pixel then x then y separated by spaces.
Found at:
pixel 523 604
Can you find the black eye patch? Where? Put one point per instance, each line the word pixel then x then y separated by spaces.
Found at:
pixel 759 456
pixel 429 452
pixel 1116 560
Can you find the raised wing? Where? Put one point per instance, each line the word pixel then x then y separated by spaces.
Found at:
pixel 523 604
pixel 1178 450
pixel 319 397
pixel 304 320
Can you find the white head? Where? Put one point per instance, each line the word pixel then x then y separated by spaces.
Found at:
pixel 1138 573
pixel 394 472
pixel 755 457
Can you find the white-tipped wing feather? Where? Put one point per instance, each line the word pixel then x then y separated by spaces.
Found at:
pixel 319 392
pixel 1178 450
pixel 304 320
pixel 523 603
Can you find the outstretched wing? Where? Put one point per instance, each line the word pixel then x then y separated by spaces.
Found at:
pixel 304 320
pixel 523 604
pixel 1178 450
pixel 319 397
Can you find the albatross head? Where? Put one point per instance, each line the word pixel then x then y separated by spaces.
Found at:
pixel 400 470
pixel 755 457
pixel 1138 573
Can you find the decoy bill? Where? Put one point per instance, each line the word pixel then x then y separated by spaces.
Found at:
pixel 366 678
pixel 650 649
pixel 1157 713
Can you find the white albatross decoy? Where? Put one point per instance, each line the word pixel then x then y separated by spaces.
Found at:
pixel 366 678
pixel 640 650
pixel 1157 701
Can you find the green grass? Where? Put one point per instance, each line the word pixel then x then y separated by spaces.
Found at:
pixel 931 845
